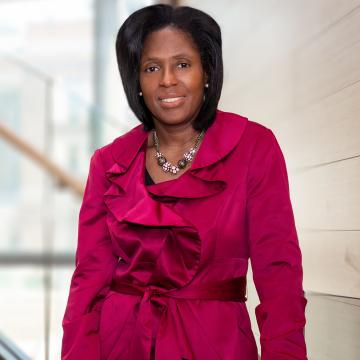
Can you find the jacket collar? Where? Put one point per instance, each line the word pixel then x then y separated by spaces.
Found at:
pixel 148 215
pixel 219 139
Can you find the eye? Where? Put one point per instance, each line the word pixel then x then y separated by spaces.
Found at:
pixel 184 65
pixel 151 69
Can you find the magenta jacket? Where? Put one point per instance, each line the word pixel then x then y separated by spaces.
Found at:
pixel 160 269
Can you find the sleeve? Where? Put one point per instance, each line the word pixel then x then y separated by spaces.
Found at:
pixel 275 255
pixel 95 263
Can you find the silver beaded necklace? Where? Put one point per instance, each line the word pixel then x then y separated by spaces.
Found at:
pixel 187 157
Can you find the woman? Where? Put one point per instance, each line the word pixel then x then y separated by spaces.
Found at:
pixel 174 209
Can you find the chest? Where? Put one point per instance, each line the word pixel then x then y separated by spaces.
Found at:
pixel 208 204
pixel 218 213
pixel 155 171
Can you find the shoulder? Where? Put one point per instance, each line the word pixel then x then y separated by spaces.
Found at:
pixel 253 127
pixel 121 140
pixel 259 134
pixel 120 146
pixel 255 135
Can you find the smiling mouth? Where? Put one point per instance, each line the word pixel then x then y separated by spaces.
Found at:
pixel 171 100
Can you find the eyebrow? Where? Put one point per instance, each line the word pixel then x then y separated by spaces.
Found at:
pixel 177 56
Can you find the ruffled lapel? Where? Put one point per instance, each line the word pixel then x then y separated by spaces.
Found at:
pixel 220 139
pixel 129 201
pixel 146 227
pixel 206 175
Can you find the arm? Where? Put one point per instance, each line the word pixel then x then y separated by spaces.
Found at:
pixel 95 263
pixel 275 255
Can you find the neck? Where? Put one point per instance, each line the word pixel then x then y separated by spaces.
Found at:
pixel 176 137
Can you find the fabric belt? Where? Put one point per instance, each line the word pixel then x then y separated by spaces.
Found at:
pixel 152 304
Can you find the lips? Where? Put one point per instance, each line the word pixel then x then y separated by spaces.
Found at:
pixel 170 96
pixel 171 101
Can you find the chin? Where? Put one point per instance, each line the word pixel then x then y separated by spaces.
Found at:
pixel 172 117
pixel 175 116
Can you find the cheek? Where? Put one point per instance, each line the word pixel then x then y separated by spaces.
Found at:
pixel 147 81
pixel 196 84
pixel 197 90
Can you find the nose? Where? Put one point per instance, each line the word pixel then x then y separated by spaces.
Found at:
pixel 168 77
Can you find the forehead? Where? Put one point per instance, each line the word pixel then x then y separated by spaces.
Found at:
pixel 168 41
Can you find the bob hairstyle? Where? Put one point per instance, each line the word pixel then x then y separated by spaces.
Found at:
pixel 204 31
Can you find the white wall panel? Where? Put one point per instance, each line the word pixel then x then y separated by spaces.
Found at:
pixel 294 66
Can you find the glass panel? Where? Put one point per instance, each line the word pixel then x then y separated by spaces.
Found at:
pixel 38 108
pixel 22 308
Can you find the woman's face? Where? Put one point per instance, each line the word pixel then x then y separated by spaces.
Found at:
pixel 171 76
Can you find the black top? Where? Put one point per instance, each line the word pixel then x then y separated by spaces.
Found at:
pixel 148 179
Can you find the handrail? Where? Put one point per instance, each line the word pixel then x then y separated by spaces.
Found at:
pixel 26 66
pixel 22 258
pixel 9 351
pixel 63 178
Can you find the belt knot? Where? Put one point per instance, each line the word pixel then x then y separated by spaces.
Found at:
pixel 149 292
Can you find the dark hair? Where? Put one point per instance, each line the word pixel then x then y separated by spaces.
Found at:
pixel 205 33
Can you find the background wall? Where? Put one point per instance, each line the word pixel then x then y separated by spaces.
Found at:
pixel 61 94
pixel 290 65
pixel 294 67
